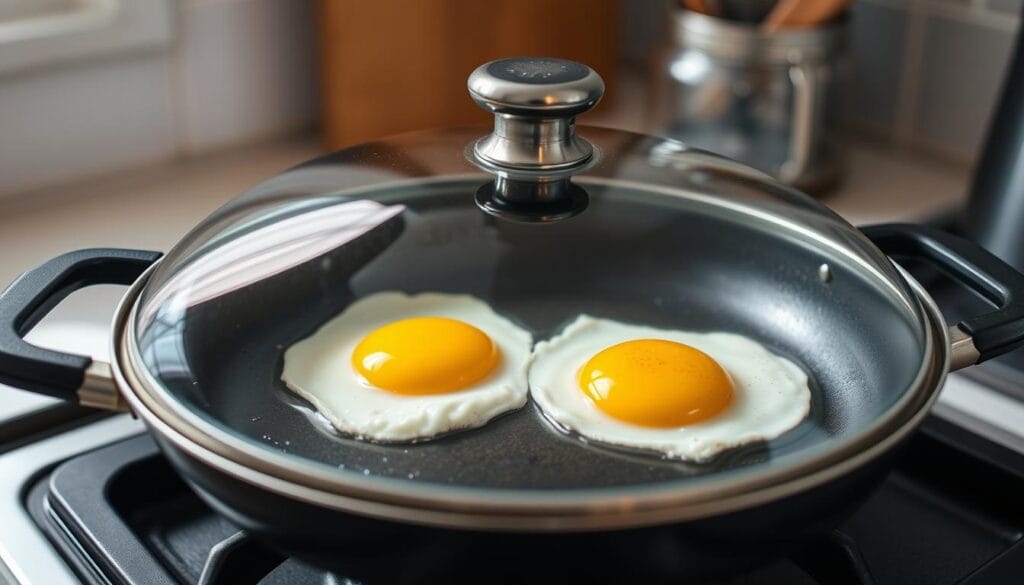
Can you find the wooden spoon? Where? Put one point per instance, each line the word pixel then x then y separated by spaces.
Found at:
pixel 803 13
pixel 696 6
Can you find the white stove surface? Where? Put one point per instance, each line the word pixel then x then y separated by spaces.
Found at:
pixel 27 557
pixel 81 337
pixel 993 415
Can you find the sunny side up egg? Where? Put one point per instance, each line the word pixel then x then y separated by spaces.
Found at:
pixel 393 367
pixel 685 395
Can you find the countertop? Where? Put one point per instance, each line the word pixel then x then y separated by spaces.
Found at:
pixel 151 208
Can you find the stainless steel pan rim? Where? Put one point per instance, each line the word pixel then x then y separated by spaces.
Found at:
pixel 518 510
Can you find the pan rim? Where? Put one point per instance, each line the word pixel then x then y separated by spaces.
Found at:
pixel 506 509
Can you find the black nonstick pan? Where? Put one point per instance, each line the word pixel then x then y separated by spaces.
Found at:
pixel 621 226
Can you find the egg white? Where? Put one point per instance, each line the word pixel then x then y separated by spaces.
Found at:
pixel 771 393
pixel 319 368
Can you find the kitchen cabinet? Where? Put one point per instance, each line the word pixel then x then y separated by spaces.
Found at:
pixel 390 66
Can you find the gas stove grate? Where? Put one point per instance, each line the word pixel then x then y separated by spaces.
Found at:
pixel 949 515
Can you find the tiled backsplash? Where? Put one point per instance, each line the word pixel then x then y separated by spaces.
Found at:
pixel 927 73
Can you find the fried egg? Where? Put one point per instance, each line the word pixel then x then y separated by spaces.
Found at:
pixel 683 394
pixel 393 367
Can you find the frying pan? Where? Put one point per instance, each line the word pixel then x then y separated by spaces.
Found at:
pixel 669 235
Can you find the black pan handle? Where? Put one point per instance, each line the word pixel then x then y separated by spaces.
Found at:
pixel 34 294
pixel 993 333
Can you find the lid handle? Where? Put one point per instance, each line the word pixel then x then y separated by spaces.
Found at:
pixel 535 101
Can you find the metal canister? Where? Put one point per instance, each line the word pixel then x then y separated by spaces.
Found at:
pixel 769 99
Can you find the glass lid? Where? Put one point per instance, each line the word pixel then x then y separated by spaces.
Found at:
pixel 517 231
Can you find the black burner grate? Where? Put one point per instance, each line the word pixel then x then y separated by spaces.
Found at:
pixel 949 515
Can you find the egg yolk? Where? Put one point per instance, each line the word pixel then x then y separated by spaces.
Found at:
pixel 656 383
pixel 425 355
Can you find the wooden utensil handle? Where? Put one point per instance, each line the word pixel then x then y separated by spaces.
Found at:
pixel 696 6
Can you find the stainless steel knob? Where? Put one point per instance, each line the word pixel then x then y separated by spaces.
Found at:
pixel 535 101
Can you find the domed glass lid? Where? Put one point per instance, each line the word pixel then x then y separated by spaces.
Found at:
pixel 543 222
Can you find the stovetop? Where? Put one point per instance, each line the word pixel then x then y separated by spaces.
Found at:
pixel 949 514
pixel 95 503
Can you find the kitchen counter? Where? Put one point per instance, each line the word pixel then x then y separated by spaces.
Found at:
pixel 148 208
pixel 151 208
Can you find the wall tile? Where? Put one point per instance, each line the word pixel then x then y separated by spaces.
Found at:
pixel 93 117
pixel 961 75
pixel 877 44
pixel 1010 6
pixel 61 32
pixel 245 70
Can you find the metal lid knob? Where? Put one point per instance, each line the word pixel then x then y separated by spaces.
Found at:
pixel 535 101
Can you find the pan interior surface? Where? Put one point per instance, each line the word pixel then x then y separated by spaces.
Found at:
pixel 635 255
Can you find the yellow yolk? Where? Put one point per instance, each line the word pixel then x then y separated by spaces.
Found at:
pixel 425 355
pixel 656 383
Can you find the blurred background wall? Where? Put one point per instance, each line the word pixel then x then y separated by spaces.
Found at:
pixel 108 84
pixel 928 71
pixel 93 86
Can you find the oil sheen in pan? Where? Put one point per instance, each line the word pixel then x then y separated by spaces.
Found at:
pixel 526 434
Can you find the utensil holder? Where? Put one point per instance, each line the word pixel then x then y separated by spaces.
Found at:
pixel 768 99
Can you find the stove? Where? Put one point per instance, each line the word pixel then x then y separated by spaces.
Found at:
pixel 92 501
pixel 98 504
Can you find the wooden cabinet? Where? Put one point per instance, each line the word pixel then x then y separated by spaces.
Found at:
pixel 390 66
